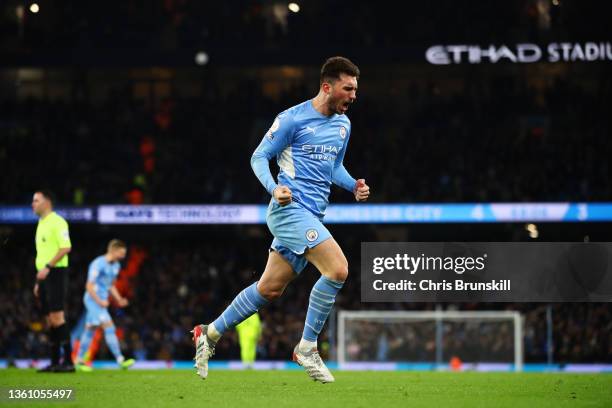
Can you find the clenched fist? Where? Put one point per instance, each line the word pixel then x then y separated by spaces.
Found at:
pixel 362 190
pixel 282 195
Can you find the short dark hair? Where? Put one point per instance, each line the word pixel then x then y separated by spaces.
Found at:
pixel 335 66
pixel 48 194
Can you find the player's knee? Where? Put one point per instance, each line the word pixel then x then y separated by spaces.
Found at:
pixel 270 292
pixel 339 272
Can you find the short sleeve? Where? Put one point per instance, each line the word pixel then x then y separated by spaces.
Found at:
pixel 63 234
pixel 93 272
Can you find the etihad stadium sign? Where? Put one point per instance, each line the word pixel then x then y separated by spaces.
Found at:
pixel 519 53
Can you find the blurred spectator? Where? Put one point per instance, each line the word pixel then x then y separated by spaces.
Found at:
pixel 450 140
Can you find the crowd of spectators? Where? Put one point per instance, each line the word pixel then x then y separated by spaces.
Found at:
pixel 494 138
pixel 190 280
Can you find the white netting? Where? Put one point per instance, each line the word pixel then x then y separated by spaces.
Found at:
pixel 430 337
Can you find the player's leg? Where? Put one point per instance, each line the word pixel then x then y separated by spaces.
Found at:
pixel 75 336
pixel 92 322
pixel 276 277
pixel 110 336
pixel 329 259
pixel 85 342
pixel 274 280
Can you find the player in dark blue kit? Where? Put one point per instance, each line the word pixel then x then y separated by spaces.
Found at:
pixel 309 142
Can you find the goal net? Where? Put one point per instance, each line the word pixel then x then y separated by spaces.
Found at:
pixel 487 340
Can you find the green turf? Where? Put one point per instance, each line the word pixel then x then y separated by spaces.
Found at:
pixel 276 389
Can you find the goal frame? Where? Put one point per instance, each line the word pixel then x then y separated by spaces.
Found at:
pixel 438 316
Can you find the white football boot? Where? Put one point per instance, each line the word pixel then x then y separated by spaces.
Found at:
pixel 205 349
pixel 313 364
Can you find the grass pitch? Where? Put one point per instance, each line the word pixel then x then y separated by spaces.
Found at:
pixel 276 389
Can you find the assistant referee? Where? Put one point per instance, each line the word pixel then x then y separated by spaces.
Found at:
pixel 52 248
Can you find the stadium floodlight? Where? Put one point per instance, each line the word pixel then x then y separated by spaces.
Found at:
pixel 201 58
pixel 478 339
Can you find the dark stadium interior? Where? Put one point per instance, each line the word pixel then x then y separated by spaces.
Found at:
pixel 176 24
pixel 515 134
pixel 105 101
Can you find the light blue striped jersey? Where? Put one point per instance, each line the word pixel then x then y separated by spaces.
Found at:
pixel 309 148
pixel 102 274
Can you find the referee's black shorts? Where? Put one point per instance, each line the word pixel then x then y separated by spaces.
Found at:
pixel 53 290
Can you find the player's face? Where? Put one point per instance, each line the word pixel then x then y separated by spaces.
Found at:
pixel 118 253
pixel 39 203
pixel 342 94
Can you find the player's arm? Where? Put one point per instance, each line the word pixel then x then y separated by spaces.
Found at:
pixel 342 178
pixel 275 141
pixel 91 289
pixel 121 301
pixel 63 237
pixel 90 285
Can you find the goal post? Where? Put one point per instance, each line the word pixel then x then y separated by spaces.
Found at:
pixel 430 337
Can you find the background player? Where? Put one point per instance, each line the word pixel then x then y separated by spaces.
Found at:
pixel 309 141
pixel 103 272
pixel 52 248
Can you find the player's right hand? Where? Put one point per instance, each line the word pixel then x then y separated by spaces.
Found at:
pixel 35 290
pixel 282 195
pixel 103 303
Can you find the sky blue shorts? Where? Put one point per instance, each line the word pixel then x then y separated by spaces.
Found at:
pixel 295 229
pixel 95 314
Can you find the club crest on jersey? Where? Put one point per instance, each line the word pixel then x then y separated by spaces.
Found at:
pixel 342 132
pixel 273 128
pixel 312 235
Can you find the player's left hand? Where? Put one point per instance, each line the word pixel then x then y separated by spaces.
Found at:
pixel 42 274
pixel 122 302
pixel 362 190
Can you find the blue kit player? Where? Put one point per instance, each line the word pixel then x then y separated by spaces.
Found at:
pixel 309 142
pixel 103 272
